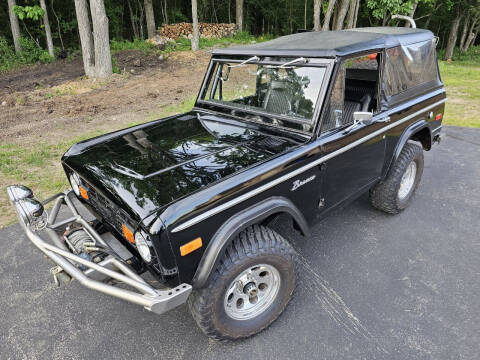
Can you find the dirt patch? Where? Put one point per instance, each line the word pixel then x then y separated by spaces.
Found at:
pixel 41 121
pixel 43 75
pixel 60 71
pixel 67 104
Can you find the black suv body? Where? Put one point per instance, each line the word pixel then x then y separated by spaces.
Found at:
pixel 295 126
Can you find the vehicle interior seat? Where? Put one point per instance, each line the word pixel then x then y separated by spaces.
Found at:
pixel 348 109
pixel 277 99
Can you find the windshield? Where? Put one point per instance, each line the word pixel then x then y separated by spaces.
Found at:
pixel 289 93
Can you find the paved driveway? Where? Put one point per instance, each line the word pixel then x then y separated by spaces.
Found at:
pixel 371 286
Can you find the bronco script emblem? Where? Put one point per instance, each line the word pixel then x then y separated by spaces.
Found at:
pixel 298 183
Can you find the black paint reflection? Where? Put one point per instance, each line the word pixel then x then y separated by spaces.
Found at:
pixel 151 166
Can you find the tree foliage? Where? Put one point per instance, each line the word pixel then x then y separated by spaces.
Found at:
pixel 127 20
pixel 29 12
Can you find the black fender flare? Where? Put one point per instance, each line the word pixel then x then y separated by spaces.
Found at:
pixel 406 135
pixel 240 221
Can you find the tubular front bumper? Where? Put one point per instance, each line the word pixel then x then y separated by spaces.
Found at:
pixel 112 267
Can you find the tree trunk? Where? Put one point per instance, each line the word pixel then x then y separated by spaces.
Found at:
pixel 140 20
pixel 412 12
pixel 452 37
pixel 472 38
pixel 472 34
pixel 86 40
pixel 229 12
pixel 150 18
pixel 195 41
pixel 465 30
pixel 468 41
pixel 342 12
pixel 386 18
pixel 239 14
pixel 357 6
pixel 305 16
pixel 317 7
pixel 328 15
pixel 165 10
pixel 14 26
pixel 335 16
pixel 46 24
pixel 136 34
pixel 101 40
pixel 351 14
pixel 59 29
pixel 429 18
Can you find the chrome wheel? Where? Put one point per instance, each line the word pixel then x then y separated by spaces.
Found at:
pixel 252 292
pixel 408 179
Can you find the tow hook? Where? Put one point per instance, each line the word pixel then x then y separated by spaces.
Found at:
pixel 437 139
pixel 60 275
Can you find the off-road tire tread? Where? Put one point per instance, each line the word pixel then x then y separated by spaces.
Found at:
pixel 253 241
pixel 383 196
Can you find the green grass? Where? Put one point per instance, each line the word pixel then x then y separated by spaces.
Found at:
pixel 164 111
pixel 471 57
pixel 462 81
pixel 137 44
pixel 184 44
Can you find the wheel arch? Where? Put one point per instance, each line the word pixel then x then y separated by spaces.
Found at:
pixel 418 131
pixel 234 225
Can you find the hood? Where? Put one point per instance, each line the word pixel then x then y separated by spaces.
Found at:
pixel 147 167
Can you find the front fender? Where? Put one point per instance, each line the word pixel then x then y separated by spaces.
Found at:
pixel 240 221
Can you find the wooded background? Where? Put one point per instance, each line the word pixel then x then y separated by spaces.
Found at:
pixel 57 25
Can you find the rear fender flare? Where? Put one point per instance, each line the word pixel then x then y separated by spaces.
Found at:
pixel 240 221
pixel 407 135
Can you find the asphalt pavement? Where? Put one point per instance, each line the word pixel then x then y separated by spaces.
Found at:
pixel 371 286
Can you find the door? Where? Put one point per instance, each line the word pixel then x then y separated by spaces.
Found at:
pixel 354 151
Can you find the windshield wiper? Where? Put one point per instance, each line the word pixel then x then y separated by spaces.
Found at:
pixel 253 58
pixel 300 59
pixel 288 63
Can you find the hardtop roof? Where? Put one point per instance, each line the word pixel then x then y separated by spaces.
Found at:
pixel 332 43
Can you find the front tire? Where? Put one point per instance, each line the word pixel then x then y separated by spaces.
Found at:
pixel 250 287
pixel 393 194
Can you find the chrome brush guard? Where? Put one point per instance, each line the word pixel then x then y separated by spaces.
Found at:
pixel 34 220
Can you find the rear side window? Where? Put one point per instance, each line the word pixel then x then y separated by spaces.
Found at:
pixel 409 66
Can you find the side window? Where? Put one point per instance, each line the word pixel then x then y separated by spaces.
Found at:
pixel 355 89
pixel 409 66
pixel 334 116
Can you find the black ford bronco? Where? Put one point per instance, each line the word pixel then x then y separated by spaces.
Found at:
pixel 292 127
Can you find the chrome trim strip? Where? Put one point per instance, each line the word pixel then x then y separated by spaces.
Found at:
pixel 298 171
pixel 437 128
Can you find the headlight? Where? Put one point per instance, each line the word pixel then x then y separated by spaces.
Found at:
pixel 142 247
pixel 75 182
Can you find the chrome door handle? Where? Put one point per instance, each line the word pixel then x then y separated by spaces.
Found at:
pixel 384 120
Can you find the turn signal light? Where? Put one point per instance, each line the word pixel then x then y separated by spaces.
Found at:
pixel 191 246
pixel 128 234
pixel 438 117
pixel 83 192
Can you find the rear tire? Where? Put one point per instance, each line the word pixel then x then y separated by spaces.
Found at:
pixel 395 192
pixel 250 287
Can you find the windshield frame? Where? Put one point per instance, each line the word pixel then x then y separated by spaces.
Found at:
pixel 226 109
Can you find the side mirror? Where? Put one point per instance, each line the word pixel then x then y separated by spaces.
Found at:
pixel 364 117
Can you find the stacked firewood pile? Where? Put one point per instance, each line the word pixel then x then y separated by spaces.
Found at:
pixel 206 30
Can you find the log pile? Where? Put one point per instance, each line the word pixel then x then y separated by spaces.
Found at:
pixel 206 30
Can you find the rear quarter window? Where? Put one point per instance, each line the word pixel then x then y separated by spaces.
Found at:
pixel 409 66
